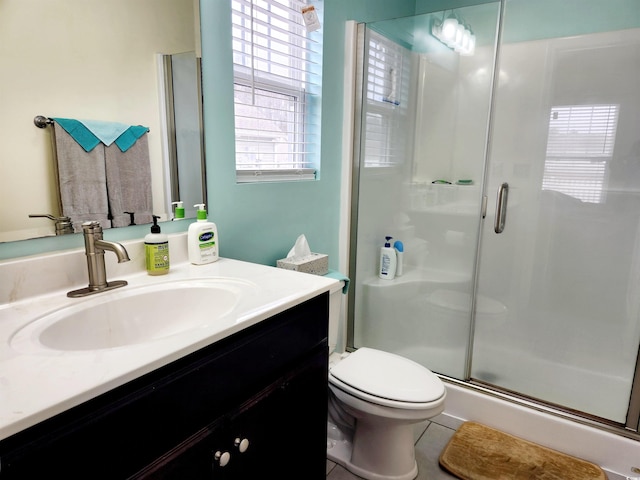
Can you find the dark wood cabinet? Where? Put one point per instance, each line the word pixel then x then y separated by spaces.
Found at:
pixel 255 402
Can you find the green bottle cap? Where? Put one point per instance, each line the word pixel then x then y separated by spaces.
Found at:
pixel 202 213
pixel 179 209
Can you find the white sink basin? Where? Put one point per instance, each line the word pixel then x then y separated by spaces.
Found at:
pixel 133 315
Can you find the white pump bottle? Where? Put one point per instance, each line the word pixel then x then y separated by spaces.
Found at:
pixel 388 261
pixel 202 239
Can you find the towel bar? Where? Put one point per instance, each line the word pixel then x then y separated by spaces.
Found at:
pixel 41 121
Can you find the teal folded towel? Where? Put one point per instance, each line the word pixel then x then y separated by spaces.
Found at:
pixel 79 132
pixel 89 133
pixel 130 136
pixel 339 276
pixel 107 132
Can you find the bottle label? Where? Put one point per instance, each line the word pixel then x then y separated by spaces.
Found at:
pixel 207 245
pixel 205 236
pixel 157 257
pixel 386 263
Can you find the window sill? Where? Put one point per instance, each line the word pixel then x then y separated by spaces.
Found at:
pixel 275 175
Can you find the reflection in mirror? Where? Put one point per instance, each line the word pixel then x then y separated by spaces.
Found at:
pixel 103 172
pixel 183 100
pixel 83 59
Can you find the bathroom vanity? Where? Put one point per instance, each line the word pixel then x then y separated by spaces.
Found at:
pixel 238 403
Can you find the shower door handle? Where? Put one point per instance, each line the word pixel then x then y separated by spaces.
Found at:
pixel 501 208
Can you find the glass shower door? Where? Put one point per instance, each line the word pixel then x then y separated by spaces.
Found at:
pixel 566 266
pixel 424 114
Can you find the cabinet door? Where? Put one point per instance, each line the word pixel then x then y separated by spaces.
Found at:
pixel 192 459
pixel 280 432
pixel 286 427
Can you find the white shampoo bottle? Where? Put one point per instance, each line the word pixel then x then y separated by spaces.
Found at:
pixel 202 239
pixel 388 261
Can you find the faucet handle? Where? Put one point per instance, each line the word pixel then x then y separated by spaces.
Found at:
pixel 91 226
pixel 63 224
pixel 49 216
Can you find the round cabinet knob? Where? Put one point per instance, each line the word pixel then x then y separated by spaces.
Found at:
pixel 242 444
pixel 222 458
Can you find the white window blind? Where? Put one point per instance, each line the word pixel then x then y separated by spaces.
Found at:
pixel 277 76
pixel 387 100
pixel 580 146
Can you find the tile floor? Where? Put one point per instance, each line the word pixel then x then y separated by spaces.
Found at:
pixel 431 438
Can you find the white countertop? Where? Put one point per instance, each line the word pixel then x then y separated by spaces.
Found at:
pixel 37 386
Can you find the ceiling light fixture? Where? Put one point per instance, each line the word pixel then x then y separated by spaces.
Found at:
pixel 455 34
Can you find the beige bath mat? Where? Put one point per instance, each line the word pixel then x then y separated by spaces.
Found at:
pixel 478 452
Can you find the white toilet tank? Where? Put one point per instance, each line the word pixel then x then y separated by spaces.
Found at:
pixel 335 318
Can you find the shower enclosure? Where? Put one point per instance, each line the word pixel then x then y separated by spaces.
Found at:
pixel 509 167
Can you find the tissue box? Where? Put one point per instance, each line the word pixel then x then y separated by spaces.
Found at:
pixel 315 263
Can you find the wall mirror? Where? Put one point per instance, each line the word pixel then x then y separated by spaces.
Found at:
pixel 90 59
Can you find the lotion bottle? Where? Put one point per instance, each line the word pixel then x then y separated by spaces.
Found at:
pixel 202 239
pixel 388 261
pixel 156 250
pixel 179 215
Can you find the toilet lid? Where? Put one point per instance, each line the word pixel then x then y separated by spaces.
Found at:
pixel 390 376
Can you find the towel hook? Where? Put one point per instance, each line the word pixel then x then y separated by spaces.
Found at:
pixel 41 121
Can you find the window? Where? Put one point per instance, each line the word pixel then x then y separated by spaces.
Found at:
pixel 579 149
pixel 277 83
pixel 387 99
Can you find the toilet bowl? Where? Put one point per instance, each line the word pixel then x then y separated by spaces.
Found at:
pixel 375 399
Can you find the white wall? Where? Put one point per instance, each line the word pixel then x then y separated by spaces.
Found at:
pixel 86 59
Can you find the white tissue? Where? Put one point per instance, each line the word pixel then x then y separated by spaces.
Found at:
pixel 301 259
pixel 301 248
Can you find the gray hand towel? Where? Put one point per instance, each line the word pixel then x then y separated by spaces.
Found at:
pixel 81 181
pixel 129 183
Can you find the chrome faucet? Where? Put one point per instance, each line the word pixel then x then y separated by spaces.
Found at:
pixel 63 224
pixel 94 250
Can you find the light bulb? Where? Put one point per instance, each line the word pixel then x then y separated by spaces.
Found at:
pixel 449 29
pixel 466 38
pixel 459 33
pixel 436 31
pixel 471 46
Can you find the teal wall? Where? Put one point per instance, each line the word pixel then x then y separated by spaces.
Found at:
pixel 430 6
pixel 528 20
pixel 66 242
pixel 260 222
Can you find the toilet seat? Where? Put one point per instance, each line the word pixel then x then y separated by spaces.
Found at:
pixel 387 379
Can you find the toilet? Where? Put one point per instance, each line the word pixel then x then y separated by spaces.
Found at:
pixel 375 399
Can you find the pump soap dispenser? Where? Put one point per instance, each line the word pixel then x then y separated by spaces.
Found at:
pixel 388 261
pixel 202 239
pixel 179 212
pixel 156 250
